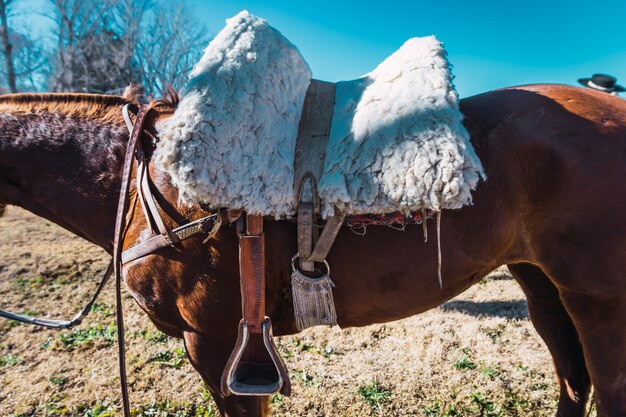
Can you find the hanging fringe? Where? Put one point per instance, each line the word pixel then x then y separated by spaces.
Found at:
pixel 439 249
pixel 313 302
pixel 424 225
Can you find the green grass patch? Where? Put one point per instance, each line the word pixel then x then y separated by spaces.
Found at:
pixel 466 361
pixel 173 359
pixel 482 405
pixel 277 400
pixel 491 371
pixel 168 409
pixel 59 381
pixel 307 379
pixel 103 309
pixel 9 360
pixel 26 284
pixel 302 346
pixel 97 410
pixel 485 406
pixel 153 336
pixel 97 335
pixel 439 409
pixel 494 333
pixel 374 395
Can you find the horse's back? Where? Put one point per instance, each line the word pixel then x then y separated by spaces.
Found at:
pixel 553 131
pixel 563 150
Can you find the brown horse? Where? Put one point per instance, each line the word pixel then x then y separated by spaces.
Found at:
pixel 552 209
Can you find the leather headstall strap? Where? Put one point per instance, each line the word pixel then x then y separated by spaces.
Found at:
pixel 255 366
pixel 313 135
pixel 120 226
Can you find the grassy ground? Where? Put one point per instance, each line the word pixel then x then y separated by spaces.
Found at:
pixel 477 355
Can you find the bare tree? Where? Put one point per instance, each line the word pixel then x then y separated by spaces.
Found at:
pixel 170 45
pixel 90 55
pixel 129 16
pixel 22 57
pixel 102 46
pixel 7 45
pixel 30 62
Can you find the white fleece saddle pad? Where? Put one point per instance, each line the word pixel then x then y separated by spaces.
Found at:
pixel 397 142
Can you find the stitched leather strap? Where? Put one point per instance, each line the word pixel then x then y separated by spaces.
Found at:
pixel 252 273
pixel 206 225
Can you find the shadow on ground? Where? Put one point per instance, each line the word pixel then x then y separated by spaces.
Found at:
pixel 515 309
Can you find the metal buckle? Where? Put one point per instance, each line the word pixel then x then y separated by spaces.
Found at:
pixel 297 256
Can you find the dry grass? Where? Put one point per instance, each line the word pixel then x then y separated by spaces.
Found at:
pixel 477 355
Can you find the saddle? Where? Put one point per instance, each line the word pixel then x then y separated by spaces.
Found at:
pixel 254 132
pixel 396 141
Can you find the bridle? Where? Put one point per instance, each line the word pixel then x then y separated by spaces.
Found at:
pixel 162 237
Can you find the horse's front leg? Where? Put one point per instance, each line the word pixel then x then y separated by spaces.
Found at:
pixel 208 355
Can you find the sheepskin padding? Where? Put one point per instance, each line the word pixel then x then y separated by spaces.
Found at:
pixel 232 139
pixel 397 142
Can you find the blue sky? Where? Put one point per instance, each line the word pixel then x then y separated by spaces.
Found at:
pixel 491 44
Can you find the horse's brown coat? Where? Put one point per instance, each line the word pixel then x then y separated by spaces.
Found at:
pixel 552 210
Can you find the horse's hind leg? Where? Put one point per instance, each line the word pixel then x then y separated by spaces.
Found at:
pixel 556 329
pixel 600 319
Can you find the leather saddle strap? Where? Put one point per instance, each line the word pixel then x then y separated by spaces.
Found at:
pixel 120 224
pixel 326 240
pixel 313 135
pixel 252 273
pixel 207 226
pixel 306 224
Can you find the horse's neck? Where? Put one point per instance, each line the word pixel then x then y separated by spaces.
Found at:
pixel 64 168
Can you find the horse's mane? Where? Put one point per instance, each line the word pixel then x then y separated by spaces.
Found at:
pixel 168 102
pixel 99 107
